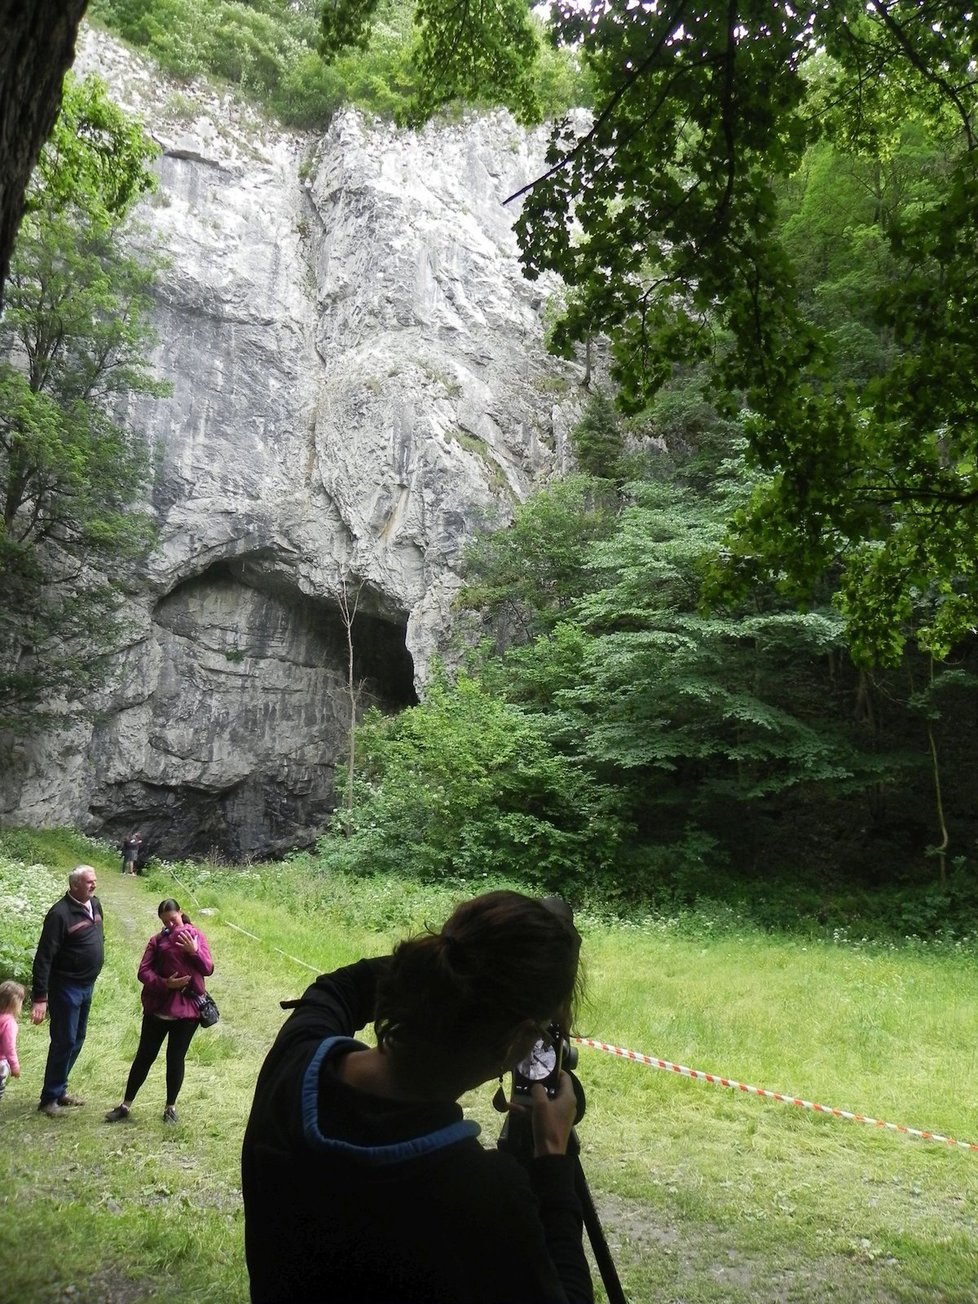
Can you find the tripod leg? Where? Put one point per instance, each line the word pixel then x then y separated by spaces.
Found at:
pixel 602 1254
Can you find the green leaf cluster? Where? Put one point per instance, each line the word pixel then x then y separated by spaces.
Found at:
pixel 466 785
pixel 688 709
pixel 303 60
pixel 477 53
pixel 523 578
pixel 786 196
pixel 73 341
pixel 598 439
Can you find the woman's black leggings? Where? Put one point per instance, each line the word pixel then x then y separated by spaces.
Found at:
pixel 178 1034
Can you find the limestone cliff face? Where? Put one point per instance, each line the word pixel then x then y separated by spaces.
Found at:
pixel 358 380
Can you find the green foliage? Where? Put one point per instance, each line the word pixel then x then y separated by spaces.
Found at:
pixel 466 785
pixel 345 25
pixel 26 892
pixel 476 54
pixel 524 577
pixel 381 78
pixel 829 288
pixel 839 210
pixel 266 47
pixel 598 439
pixel 73 339
pixel 695 717
pixel 672 203
pixel 96 158
pixel 34 865
pixel 394 58
pixel 560 80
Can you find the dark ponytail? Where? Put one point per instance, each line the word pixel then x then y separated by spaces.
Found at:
pixel 500 960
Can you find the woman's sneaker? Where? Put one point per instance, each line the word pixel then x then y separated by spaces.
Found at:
pixel 169 1114
pixel 118 1114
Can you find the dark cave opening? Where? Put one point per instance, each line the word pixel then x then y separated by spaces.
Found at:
pixel 249 717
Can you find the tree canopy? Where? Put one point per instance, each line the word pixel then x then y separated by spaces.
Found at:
pixel 73 338
pixel 663 213
pixel 38 46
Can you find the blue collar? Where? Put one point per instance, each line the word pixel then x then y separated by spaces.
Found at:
pixel 396 1153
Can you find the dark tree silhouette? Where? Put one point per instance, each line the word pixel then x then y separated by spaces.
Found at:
pixel 36 50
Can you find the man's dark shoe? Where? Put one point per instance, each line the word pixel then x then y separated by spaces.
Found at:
pixel 67 1100
pixel 50 1107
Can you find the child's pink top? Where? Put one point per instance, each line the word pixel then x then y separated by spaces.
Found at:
pixel 8 1041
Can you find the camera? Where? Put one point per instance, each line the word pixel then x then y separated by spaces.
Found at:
pixel 550 1054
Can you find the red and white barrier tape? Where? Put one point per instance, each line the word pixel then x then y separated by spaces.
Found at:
pixel 639 1058
pixel 698 1074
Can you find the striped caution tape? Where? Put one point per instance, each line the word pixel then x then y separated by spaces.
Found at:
pixel 238 929
pixel 698 1074
pixel 294 958
pixel 717 1081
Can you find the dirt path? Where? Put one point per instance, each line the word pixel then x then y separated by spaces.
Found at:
pixel 125 904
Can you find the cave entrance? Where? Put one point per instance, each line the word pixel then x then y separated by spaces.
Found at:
pixel 234 749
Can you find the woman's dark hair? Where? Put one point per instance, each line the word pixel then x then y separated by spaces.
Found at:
pixel 169 904
pixel 499 960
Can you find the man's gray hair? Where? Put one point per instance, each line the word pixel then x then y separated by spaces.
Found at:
pixel 74 878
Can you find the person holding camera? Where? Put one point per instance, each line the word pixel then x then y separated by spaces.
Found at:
pixel 175 963
pixel 363 1181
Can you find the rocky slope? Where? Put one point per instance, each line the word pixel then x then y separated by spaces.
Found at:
pixel 358 381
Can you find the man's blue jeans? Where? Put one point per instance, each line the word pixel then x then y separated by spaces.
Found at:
pixel 68 1006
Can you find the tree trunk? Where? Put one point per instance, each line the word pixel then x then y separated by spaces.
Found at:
pixel 942 846
pixel 348 613
pixel 37 47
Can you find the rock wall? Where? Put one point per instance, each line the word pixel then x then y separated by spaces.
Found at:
pixel 358 382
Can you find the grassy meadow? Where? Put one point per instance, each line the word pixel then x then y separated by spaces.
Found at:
pixel 705 1193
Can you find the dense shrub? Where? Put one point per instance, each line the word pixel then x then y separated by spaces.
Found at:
pixel 466 785
pixel 268 48
pixel 27 890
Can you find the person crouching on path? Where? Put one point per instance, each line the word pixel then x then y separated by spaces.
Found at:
pixel 175 963
pixel 69 958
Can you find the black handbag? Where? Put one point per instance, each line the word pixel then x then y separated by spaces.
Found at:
pixel 207 1011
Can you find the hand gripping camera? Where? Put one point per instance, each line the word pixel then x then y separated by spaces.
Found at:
pixel 551 1053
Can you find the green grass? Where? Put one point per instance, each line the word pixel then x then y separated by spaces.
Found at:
pixel 705 1194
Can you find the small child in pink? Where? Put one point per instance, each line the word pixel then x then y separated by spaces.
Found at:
pixel 11 1004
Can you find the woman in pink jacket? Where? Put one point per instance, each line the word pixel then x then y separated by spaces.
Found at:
pixel 175 963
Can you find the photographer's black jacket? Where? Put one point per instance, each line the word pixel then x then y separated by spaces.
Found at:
pixel 72 946
pixel 353 1199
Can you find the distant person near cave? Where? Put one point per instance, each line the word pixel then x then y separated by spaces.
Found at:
pixel 131 846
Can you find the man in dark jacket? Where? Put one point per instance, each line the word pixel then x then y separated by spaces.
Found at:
pixel 68 960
